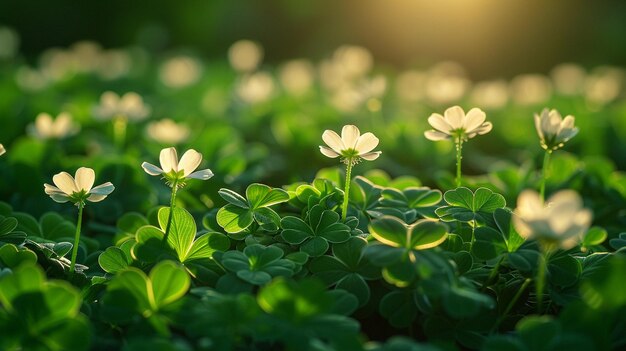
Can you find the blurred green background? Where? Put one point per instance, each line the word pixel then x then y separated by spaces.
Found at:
pixel 491 38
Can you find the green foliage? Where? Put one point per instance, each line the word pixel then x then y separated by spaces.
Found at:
pixel 467 206
pixel 421 235
pixel 257 264
pixel 241 212
pixel 313 234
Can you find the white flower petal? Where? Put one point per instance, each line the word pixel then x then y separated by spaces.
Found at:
pixel 366 143
pixel 202 174
pixel 436 135
pixel 333 140
pixel 568 122
pixel 454 116
pixel 484 128
pixel 60 198
pixel 538 127
pixel 96 197
pixel 350 134
pixel 85 178
pixel 328 152
pixel 439 123
pixel 2 150
pixel 151 169
pixel 474 118
pixel 103 189
pixel 65 182
pixel 189 162
pixel 169 159
pixel 51 189
pixel 371 156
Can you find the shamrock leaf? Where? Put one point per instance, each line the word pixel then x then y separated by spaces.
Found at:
pixel 409 204
pixel 257 264
pixel 314 234
pixel 241 212
pixel 466 206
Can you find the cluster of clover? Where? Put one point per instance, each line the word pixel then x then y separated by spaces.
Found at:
pixel 559 222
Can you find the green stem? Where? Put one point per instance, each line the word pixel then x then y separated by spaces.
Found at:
pixel 544 175
pixel 346 192
pixel 459 149
pixel 119 131
pixel 512 303
pixel 171 215
pixel 541 281
pixel 76 238
pixel 492 274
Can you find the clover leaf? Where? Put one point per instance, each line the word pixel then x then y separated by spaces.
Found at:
pixel 347 268
pixel 314 233
pixel 39 314
pixel 257 264
pixel 241 212
pixel 491 242
pixel 12 256
pixel 8 234
pixel 182 243
pixel 410 203
pixel 466 206
pixel 132 293
pixel 421 235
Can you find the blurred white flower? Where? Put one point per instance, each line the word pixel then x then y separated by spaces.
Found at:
pixel 490 94
pixel 180 71
pixel 553 130
pixel 30 79
pixel 568 79
pixel 351 146
pixel 604 85
pixel 561 222
pixel 255 88
pixel 2 150
pixel 114 64
pixel 245 56
pixel 167 131
pixel 355 61
pixel 530 89
pixel 410 85
pixel 456 124
pixel 176 172
pixel 130 106
pixel 77 189
pixel 47 128
pixel 297 76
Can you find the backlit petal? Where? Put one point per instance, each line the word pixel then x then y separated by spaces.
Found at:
pixel 151 169
pixel 371 156
pixel 328 152
pixel 85 178
pixel 439 123
pixel 366 143
pixel 65 182
pixel 202 174
pixel 454 116
pixel 350 134
pixel 103 189
pixel 189 162
pixel 96 197
pixel 474 118
pixel 333 140
pixel 169 159
pixel 435 135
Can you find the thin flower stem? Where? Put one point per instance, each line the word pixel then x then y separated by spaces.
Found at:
pixel 346 192
pixel 544 175
pixel 492 274
pixel 511 303
pixel 76 238
pixel 171 215
pixel 541 281
pixel 119 131
pixel 459 149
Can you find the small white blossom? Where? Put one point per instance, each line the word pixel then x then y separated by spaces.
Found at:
pixel 351 146
pixel 176 172
pixel 47 128
pixel 245 55
pixel 553 130
pixel 129 106
pixel 167 131
pixel 79 188
pixel 2 150
pixel 456 124
pixel 561 222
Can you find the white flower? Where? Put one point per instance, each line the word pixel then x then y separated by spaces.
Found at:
pixel 77 189
pixel 561 222
pixel 351 146
pixel 2 150
pixel 167 131
pixel 255 88
pixel 245 55
pixel 129 106
pixel 457 124
pixel 553 130
pixel 176 172
pixel 47 128
pixel 180 72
